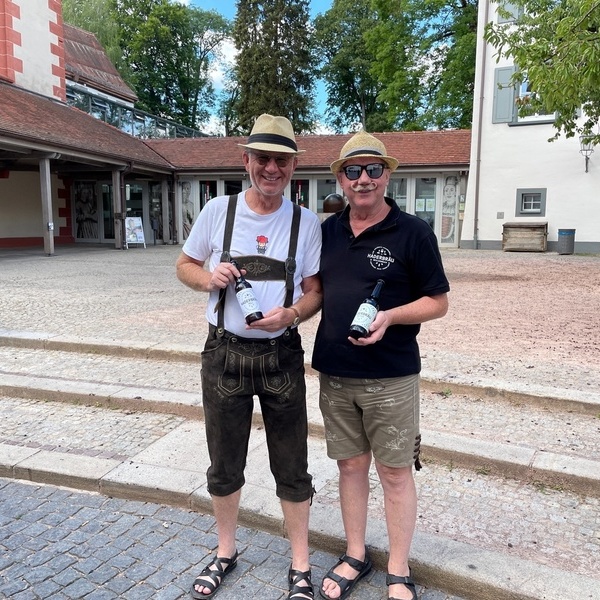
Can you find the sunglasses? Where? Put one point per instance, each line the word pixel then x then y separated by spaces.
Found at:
pixel 264 159
pixel 353 172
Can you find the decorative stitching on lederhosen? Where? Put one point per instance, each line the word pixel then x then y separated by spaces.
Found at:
pixel 259 268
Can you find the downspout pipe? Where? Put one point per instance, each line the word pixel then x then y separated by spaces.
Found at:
pixel 482 72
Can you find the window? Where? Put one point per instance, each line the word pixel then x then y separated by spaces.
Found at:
pixel 513 12
pixel 508 99
pixel 531 202
pixel 525 93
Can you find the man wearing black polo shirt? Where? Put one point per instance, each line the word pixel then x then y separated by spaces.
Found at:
pixel 370 386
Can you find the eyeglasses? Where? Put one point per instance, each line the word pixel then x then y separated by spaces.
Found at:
pixel 353 172
pixel 264 159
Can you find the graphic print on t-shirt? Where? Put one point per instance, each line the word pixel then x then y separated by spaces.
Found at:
pixel 381 258
pixel 261 243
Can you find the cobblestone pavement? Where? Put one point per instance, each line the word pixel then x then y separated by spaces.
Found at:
pixel 462 504
pixel 59 544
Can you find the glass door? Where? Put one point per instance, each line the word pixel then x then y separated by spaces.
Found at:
pixel 108 215
pixel 450 195
pixel 85 209
pixel 425 199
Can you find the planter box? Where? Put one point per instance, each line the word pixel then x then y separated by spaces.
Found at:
pixel 525 237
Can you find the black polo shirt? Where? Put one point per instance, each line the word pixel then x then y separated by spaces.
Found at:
pixel 403 251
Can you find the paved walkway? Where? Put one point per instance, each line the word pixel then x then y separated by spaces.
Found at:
pixel 131 344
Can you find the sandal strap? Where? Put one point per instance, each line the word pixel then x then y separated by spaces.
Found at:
pixel 407 581
pixel 357 565
pixel 302 592
pixel 394 579
pixel 212 578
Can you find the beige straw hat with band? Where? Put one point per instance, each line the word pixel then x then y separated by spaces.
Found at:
pixel 272 134
pixel 363 145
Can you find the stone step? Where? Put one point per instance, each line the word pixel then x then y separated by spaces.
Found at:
pixel 478 535
pixel 505 435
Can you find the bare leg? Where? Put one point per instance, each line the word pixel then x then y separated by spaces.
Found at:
pixel 296 516
pixel 400 502
pixel 296 522
pixel 354 497
pixel 226 510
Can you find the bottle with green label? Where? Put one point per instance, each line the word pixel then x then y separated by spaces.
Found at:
pixel 366 313
pixel 246 297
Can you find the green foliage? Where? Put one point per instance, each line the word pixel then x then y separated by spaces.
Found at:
pixel 274 72
pixel 398 64
pixel 555 45
pixel 95 16
pixel 345 65
pixel 170 49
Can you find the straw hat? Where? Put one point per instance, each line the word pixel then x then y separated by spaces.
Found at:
pixel 363 145
pixel 272 134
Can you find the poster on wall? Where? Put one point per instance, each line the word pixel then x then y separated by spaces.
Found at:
pixel 134 231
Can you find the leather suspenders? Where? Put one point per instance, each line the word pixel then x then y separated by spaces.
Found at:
pixel 258 267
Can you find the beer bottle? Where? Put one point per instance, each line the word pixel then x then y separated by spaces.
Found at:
pixel 245 296
pixel 366 312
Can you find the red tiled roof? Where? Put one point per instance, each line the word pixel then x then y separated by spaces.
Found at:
pixel 86 62
pixel 40 120
pixel 412 149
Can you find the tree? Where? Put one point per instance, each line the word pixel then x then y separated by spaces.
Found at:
pixel 274 69
pixel 394 41
pixel 555 45
pixel 399 64
pixel 95 16
pixel 450 48
pixel 345 65
pixel 170 49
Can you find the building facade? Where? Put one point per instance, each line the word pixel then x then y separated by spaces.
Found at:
pixel 69 177
pixel 517 177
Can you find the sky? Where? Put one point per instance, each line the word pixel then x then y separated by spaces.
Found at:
pixel 227 9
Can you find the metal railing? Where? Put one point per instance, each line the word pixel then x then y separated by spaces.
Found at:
pixel 130 120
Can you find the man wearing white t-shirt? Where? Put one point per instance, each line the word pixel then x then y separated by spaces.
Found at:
pixel 277 247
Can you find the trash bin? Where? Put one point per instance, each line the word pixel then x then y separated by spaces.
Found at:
pixel 566 241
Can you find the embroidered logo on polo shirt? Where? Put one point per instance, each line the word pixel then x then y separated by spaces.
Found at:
pixel 381 258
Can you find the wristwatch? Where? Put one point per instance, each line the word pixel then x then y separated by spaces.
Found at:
pixel 296 321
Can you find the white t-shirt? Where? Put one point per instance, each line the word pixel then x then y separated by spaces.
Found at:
pixel 268 235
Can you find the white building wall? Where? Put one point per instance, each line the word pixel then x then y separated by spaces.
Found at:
pixel 506 158
pixel 20 206
pixel 36 47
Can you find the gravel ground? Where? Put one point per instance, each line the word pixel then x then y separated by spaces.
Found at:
pixel 527 320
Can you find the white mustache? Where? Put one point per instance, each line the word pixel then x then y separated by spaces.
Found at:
pixel 364 188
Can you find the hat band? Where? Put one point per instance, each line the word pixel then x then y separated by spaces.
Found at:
pixel 272 138
pixel 364 151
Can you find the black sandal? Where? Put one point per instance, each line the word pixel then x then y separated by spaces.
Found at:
pixel 300 592
pixel 407 581
pixel 213 578
pixel 347 585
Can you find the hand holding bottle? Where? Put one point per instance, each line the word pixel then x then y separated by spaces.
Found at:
pixel 245 296
pixel 366 313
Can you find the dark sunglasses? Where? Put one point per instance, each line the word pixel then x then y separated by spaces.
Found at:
pixel 353 172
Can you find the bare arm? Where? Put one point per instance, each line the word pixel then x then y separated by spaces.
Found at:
pixel 424 309
pixel 192 273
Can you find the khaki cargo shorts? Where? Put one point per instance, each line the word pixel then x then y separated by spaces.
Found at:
pixel 378 415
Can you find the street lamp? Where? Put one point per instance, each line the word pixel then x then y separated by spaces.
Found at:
pixel 587 147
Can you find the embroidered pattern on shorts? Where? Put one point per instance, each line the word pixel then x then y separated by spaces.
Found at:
pixel 399 439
